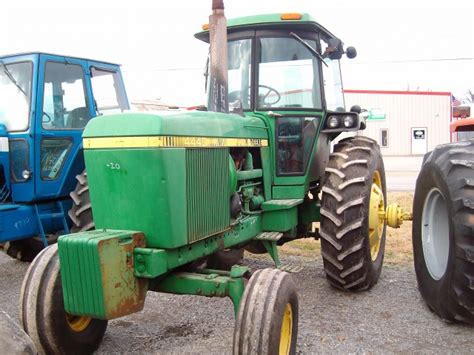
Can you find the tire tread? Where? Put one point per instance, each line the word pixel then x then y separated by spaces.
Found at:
pixel 344 214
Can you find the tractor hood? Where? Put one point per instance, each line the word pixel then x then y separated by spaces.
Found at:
pixel 187 124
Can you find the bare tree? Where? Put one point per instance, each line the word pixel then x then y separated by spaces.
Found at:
pixel 468 97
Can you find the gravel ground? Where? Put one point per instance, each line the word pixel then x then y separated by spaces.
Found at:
pixel 387 319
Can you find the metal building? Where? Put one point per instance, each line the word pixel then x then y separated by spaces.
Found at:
pixel 404 122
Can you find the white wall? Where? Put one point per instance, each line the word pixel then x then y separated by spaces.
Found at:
pixel 405 110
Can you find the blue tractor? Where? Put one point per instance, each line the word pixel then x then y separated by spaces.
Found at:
pixel 46 101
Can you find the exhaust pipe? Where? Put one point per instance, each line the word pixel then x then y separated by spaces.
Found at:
pixel 218 101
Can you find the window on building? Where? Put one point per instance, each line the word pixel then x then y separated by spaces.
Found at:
pixel 384 137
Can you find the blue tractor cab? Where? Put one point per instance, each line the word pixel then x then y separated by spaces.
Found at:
pixel 46 101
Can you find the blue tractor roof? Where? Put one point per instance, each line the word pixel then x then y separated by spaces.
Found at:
pixel 57 55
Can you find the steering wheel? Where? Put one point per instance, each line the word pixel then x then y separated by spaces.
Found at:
pixel 236 95
pixel 263 97
pixel 48 118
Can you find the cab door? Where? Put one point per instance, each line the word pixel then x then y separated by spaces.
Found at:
pixel 107 88
pixel 64 107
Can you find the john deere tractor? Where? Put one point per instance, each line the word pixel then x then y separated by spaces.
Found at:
pixel 254 171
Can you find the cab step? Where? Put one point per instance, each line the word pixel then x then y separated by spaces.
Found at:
pixel 269 236
pixel 291 268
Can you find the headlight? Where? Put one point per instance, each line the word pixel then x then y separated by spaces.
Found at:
pixel 26 174
pixel 333 122
pixel 348 121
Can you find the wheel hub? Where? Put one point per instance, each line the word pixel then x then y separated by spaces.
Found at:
pixel 78 323
pixel 435 233
pixel 376 215
pixel 286 330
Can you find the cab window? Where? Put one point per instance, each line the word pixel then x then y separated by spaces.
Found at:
pixel 15 94
pixel 108 91
pixel 333 92
pixel 65 104
pixel 239 74
pixel 295 139
pixel 53 154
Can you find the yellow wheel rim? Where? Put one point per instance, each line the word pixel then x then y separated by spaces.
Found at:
pixel 78 323
pixel 376 215
pixel 286 330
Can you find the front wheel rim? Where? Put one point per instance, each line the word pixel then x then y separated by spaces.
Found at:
pixel 286 330
pixel 435 233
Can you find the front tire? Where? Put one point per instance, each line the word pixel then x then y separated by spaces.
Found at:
pixel 443 231
pixel 267 321
pixel 42 314
pixel 352 208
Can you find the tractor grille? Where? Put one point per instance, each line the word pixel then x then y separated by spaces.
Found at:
pixel 207 186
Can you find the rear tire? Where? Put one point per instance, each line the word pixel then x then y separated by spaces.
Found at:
pixel 42 313
pixel 267 320
pixel 443 231
pixel 80 214
pixel 352 233
pixel 81 210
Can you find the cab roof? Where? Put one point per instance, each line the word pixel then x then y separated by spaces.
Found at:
pixel 301 21
pixel 462 125
pixel 56 55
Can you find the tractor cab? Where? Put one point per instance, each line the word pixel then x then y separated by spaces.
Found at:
pixel 46 101
pixel 285 69
pixel 462 128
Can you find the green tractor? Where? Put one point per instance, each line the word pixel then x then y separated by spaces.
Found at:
pixel 170 192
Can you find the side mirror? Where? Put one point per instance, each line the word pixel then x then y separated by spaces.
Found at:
pixel 356 108
pixel 351 52
pixel 334 50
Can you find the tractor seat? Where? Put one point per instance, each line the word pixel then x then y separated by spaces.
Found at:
pixel 78 117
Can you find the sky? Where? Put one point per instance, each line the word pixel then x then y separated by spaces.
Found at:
pixel 402 45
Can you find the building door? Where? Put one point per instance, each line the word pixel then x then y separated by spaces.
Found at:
pixel 419 142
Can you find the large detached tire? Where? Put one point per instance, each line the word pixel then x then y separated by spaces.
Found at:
pixel 443 231
pixel 267 321
pixel 352 206
pixel 42 314
pixel 81 210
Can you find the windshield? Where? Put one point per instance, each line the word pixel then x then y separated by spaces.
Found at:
pixel 333 92
pixel 15 94
pixel 288 75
